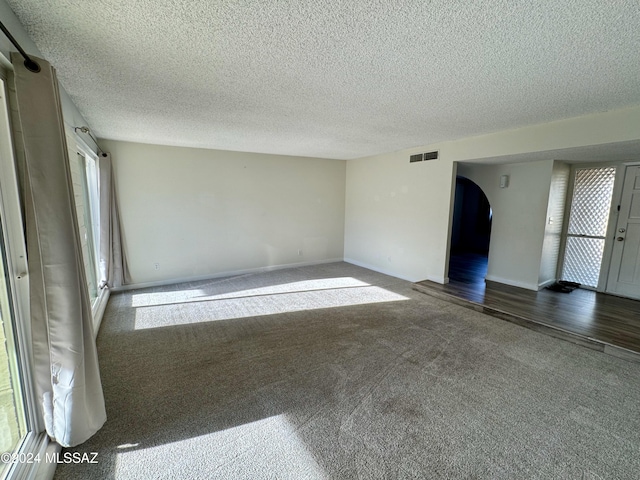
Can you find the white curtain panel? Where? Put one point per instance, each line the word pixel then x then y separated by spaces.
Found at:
pixel 114 271
pixel 67 375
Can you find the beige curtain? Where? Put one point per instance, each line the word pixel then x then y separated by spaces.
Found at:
pixel 67 376
pixel 114 271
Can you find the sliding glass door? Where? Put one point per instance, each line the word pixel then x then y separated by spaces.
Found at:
pixel 13 421
pixel 22 437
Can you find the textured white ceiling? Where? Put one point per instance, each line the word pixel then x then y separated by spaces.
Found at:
pixel 335 78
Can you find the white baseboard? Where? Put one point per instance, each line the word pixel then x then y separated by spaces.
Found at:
pixel 546 284
pixel 375 268
pixel 439 279
pixel 513 283
pixel 213 276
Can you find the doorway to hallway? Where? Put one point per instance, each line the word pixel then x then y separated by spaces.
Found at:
pixel 470 233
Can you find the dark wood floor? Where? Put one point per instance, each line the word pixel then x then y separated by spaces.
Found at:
pixel 594 316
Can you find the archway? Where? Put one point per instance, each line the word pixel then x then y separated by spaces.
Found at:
pixel 470 233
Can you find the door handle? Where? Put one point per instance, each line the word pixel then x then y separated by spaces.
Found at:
pixel 620 239
pixel 621 230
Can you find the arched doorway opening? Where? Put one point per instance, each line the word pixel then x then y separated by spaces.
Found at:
pixel 470 233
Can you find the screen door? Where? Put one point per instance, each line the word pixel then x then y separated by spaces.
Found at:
pixel 588 221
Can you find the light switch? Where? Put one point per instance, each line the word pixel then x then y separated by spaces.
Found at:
pixel 504 181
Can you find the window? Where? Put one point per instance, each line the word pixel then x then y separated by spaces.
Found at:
pixel 84 175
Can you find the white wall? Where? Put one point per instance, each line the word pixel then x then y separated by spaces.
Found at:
pixel 554 223
pixel 398 214
pixel 519 217
pixel 596 129
pixel 200 213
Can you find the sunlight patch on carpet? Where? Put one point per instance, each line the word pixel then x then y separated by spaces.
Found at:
pixel 214 309
pixel 161 298
pixel 217 291
pixel 265 448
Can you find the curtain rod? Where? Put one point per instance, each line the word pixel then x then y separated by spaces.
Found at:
pixel 85 129
pixel 33 66
pixel 29 63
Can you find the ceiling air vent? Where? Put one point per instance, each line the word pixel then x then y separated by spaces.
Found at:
pixel 415 158
pixel 431 155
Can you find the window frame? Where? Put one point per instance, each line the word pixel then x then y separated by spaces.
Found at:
pixel 91 177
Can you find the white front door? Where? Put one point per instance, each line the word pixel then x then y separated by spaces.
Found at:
pixel 624 273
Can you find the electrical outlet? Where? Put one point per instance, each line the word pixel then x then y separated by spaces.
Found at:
pixel 157 266
pixel 299 253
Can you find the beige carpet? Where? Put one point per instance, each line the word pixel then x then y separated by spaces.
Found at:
pixel 334 371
